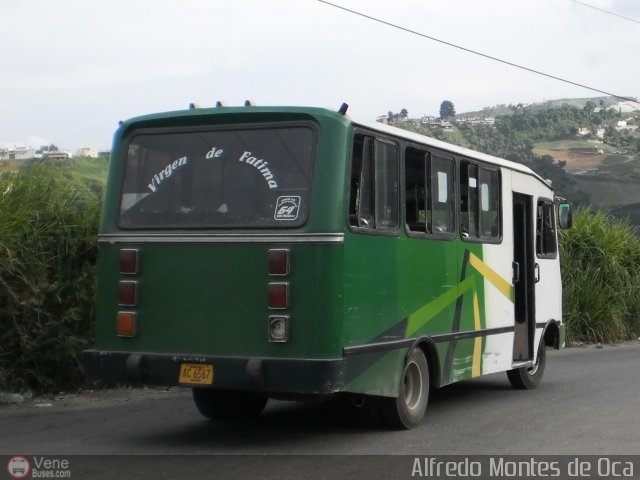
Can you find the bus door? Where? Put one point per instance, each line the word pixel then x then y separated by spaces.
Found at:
pixel 523 277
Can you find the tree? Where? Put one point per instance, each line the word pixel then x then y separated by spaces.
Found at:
pixel 404 113
pixel 447 110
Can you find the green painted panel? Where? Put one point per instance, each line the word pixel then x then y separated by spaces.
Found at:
pixel 212 299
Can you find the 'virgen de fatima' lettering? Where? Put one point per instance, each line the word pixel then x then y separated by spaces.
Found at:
pixel 261 166
pixel 166 172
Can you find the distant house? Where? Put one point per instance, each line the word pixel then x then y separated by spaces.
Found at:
pixel 623 125
pixel 56 156
pixel 600 132
pixel 582 131
pixel 428 120
pixel 22 153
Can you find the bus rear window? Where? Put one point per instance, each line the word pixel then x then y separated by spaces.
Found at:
pixel 259 177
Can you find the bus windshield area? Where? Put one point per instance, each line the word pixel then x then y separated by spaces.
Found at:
pixel 226 178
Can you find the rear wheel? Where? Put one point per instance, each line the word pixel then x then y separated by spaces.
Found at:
pixel 406 411
pixel 526 378
pixel 228 404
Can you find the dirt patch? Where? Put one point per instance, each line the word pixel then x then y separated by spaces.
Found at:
pixel 576 162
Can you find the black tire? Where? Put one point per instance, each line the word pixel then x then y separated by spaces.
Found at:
pixel 527 378
pixel 228 404
pixel 407 410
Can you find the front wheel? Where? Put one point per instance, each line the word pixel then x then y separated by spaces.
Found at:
pixel 406 410
pixel 526 378
pixel 228 404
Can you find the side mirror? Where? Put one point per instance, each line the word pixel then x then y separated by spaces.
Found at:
pixel 565 216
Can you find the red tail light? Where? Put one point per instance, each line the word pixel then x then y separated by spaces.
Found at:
pixel 278 296
pixel 278 262
pixel 127 293
pixel 129 261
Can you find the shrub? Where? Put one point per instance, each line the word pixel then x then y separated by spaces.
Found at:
pixel 601 278
pixel 48 230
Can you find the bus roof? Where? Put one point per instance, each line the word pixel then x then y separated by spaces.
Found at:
pixel 449 147
pixel 376 126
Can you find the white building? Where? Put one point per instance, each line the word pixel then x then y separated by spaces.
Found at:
pixel 22 153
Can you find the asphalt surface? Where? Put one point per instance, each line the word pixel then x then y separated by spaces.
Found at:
pixel 587 404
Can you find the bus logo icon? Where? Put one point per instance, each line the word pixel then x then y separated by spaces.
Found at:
pixel 287 208
pixel 18 467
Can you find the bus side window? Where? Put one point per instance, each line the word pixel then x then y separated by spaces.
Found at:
pixel 489 203
pixel 417 211
pixel 546 244
pixel 468 200
pixel 442 198
pixel 373 194
pixel 429 200
pixel 479 203
pixel 386 185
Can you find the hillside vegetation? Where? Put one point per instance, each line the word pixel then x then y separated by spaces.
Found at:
pixel 545 138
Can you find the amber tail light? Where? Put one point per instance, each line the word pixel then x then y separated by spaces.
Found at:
pixel 126 324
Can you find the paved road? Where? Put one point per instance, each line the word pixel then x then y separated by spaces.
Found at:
pixel 586 404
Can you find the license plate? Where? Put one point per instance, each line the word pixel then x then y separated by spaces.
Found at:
pixel 196 373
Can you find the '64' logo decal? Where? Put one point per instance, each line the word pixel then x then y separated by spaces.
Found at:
pixel 287 208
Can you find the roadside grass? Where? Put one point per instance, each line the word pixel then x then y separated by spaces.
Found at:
pixel 48 229
pixel 601 278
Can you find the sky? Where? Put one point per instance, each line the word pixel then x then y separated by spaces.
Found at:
pixel 71 69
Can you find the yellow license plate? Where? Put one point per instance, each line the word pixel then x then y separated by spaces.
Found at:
pixel 196 373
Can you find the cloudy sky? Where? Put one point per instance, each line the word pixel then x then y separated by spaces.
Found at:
pixel 70 69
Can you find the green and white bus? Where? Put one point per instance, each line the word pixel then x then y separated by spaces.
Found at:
pixel 289 252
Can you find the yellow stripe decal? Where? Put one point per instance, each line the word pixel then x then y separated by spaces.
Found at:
pixel 420 317
pixel 487 272
pixel 477 344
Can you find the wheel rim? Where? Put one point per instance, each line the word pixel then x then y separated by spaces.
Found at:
pixel 412 386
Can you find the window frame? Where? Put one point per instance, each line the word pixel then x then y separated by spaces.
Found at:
pixel 546 202
pixel 197 128
pixel 376 137
pixel 429 154
pixel 479 237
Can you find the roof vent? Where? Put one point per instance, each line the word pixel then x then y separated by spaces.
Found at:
pixel 343 109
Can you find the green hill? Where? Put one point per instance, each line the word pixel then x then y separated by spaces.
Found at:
pixel 556 139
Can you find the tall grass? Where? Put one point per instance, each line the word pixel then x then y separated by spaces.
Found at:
pixel 601 278
pixel 48 230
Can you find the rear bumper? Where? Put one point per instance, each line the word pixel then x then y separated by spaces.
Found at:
pixel 269 375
